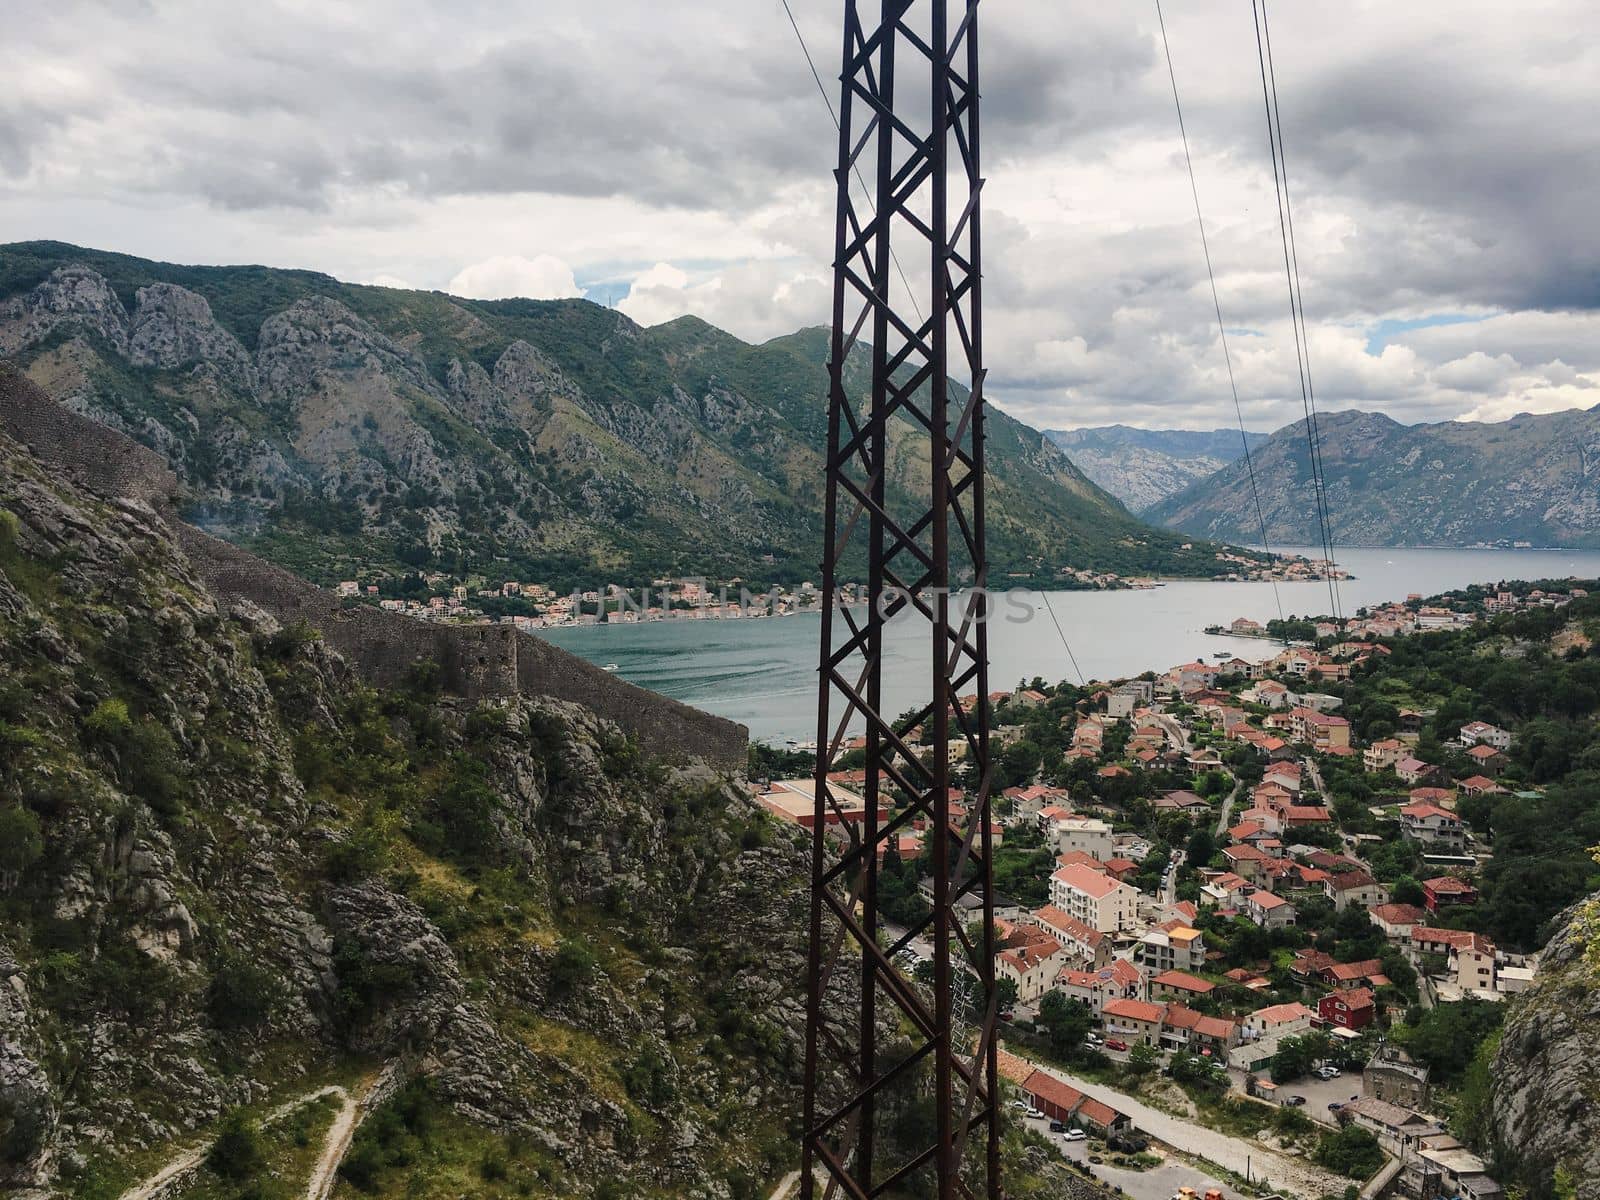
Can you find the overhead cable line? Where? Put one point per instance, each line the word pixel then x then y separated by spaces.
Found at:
pixel 1216 303
pixel 1050 608
pixel 1291 269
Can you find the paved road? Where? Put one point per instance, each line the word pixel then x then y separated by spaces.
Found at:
pixel 1291 1175
pixel 1225 819
pixel 1158 1183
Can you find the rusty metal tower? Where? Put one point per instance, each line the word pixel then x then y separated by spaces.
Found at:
pixel 901 1092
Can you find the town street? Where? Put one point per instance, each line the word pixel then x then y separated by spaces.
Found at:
pixel 1287 1174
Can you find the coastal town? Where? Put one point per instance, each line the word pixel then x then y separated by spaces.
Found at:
pixel 437 596
pixel 1216 889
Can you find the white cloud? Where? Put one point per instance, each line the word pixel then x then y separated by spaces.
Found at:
pixel 510 276
pixel 1440 155
pixel 389 281
pixel 755 301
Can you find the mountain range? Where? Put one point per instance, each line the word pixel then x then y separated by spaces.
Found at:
pixel 1141 467
pixel 340 429
pixel 1534 479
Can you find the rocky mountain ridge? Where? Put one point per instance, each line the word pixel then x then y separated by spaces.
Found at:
pixel 1143 466
pixel 336 428
pixel 1545 1115
pixel 1533 480
pixel 228 867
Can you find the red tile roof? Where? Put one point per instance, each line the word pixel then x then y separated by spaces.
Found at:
pixel 1182 981
pixel 1134 1010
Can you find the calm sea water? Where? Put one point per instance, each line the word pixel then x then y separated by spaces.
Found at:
pixel 763 672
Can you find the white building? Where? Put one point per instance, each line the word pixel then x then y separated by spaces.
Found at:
pixel 1096 899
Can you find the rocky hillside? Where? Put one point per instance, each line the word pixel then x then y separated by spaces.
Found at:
pixel 1532 479
pixel 1546 1074
pixel 230 873
pixel 1143 466
pixel 336 428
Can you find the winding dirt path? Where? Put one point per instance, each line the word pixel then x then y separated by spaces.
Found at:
pixel 337 1144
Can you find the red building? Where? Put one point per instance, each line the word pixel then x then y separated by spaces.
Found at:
pixel 1447 890
pixel 1352 1008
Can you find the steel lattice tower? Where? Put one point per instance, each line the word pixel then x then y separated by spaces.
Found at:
pixel 880 1045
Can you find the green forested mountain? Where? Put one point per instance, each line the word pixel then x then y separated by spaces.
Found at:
pixel 1531 479
pixel 334 427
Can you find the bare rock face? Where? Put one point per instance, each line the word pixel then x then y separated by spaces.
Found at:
pixel 173 327
pixel 27 1103
pixel 1547 1071
pixel 73 294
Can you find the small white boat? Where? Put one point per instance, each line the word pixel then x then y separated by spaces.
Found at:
pixel 610 667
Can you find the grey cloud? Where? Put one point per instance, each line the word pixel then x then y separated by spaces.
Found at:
pixel 1443 158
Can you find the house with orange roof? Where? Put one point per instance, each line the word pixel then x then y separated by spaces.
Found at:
pixel 1225 888
pixel 1345 888
pixel 1396 921
pixel 1268 910
pixel 1246 861
pixel 1031 967
pixel 1306 816
pixel 1383 754
pixel 1446 891
pixel 1471 963
pixel 1079 858
pixel 1082 944
pixel 1278 1020
pixel 1182 1028
pixel 1133 1021
pixel 1063 1102
pixel 1433 828
pixel 1443 797
pixel 1246 978
pixel 1479 785
pixel 1179 985
pixel 1119 979
pixel 1367 972
pixel 1486 759
pixel 1122 869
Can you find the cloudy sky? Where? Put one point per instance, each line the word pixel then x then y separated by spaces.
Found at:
pixel 672 158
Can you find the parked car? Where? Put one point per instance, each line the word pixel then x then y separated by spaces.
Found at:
pixel 1116 1044
pixel 1036 1114
pixel 1327 1073
pixel 1021 1106
pixel 1076 1135
pixel 1295 1101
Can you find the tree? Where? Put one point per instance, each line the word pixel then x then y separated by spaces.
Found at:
pixel 1007 991
pixel 1142 1058
pixel 21 843
pixel 1202 845
pixel 237 1153
pixel 1353 1152
pixel 1297 1055
pixel 1406 890
pixel 1066 1023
